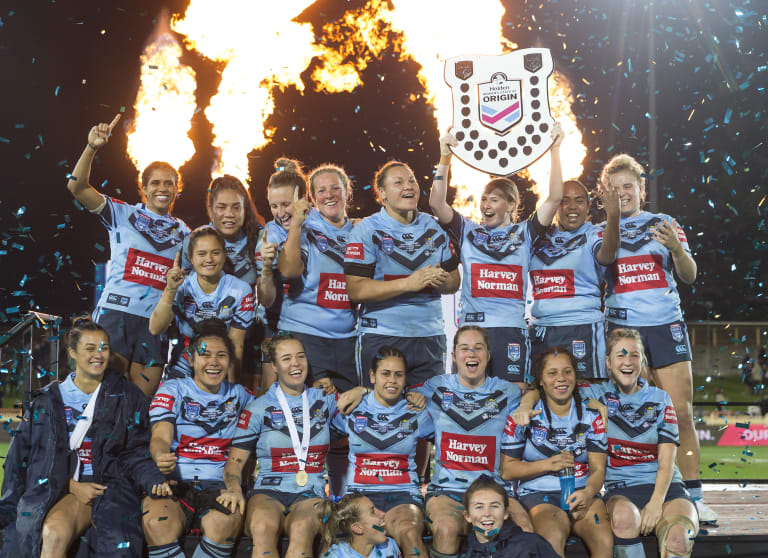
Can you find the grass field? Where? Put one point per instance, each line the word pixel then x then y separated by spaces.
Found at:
pixel 731 464
pixel 3 453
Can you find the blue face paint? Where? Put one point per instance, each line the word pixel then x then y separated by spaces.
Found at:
pixel 101 346
pixel 201 350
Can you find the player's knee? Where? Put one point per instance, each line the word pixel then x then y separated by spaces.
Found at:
pixel 159 529
pixel 219 526
pixel 263 527
pixel 304 526
pixel 625 521
pixel 678 542
pixel 56 536
pixel 407 530
pixel 446 527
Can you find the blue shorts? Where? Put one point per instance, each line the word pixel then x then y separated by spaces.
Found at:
pixel 331 358
pixel 425 356
pixel 130 338
pixel 533 499
pixel 434 491
pixel 640 494
pixel 385 501
pixel 287 499
pixel 664 344
pixel 586 343
pixel 510 354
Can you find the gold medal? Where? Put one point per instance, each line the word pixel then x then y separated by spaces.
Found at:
pixel 302 478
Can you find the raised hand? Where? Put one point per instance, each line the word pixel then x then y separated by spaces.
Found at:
pixel 557 134
pixel 268 251
pixel 416 401
pixel 98 136
pixel 609 197
pixel 175 275
pixel 300 207
pixel 666 234
pixel 446 142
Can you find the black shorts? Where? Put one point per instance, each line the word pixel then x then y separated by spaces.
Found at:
pixel 585 342
pixel 287 499
pixel 533 499
pixel 425 356
pixel 130 338
pixel 331 358
pixel 664 344
pixel 197 499
pixel 385 501
pixel 640 494
pixel 510 354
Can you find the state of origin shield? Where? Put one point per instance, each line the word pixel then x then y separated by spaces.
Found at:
pixel 501 112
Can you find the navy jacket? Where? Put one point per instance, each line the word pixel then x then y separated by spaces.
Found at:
pixel 512 542
pixel 39 465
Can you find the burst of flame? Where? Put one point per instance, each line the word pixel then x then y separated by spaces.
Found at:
pixel 164 106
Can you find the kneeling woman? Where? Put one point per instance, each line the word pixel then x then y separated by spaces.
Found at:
pixel 383 434
pixel 644 489
pixel 357 518
pixel 565 435
pixel 81 452
pixel 288 429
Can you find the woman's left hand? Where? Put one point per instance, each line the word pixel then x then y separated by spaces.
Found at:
pixel 578 504
pixel 650 516
pixel 416 401
pixel 326 385
pixel 349 400
pixel 666 234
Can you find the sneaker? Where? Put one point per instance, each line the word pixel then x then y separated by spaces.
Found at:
pixel 706 514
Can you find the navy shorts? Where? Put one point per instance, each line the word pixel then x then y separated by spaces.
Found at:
pixel 586 343
pixel 130 338
pixel 533 499
pixel 197 499
pixel 425 356
pixel 510 354
pixel 664 344
pixel 434 492
pixel 287 499
pixel 640 494
pixel 331 358
pixel 385 501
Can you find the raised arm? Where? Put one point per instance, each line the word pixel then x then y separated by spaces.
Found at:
pixel 439 194
pixel 162 315
pixel 609 249
pixel 548 208
pixel 79 184
pixel 265 285
pixel 289 262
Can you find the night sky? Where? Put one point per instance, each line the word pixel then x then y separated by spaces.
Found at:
pixel 61 74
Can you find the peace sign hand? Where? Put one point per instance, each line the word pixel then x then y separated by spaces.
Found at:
pixel 99 134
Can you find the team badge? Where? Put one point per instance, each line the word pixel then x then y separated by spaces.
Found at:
pixel 322 243
pixel 447 399
pixel 579 349
pixel 361 421
pixel 491 405
pixel 501 111
pixel 387 244
pixel 650 413
pixel 677 332
pixel 70 414
pixel 190 307
pixel 405 426
pixel 430 245
pixel 480 239
pixel 612 405
pixel 192 410
pixel 277 418
pixel 225 312
pixel 143 222
pixel 539 434
pixel 513 351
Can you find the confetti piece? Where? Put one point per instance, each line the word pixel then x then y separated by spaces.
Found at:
pixel 123 545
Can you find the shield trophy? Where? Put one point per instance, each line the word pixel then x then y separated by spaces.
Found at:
pixel 501 112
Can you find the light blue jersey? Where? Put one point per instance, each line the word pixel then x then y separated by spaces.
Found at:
pixel 262 428
pixel 243 267
pixel 495 263
pixel 383 249
pixel 543 438
pixel 276 234
pixel 142 248
pixel 637 424
pixel 469 424
pixel 641 288
pixel 204 425
pixel 382 445
pixel 566 277
pixel 388 549
pixel 322 306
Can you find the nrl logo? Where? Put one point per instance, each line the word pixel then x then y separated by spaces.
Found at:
pixel 501 109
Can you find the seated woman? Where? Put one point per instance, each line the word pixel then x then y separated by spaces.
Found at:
pixel 193 423
pixel 383 434
pixel 205 293
pixel 363 524
pixel 644 489
pixel 287 427
pixel 493 535
pixel 80 454
pixel 566 435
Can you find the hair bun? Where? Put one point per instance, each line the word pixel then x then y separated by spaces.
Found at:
pixel 286 165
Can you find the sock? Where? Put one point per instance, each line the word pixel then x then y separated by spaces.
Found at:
pixel 628 548
pixel 435 554
pixel 172 550
pixel 694 487
pixel 209 549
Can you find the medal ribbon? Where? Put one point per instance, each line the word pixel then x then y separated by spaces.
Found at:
pixel 301 449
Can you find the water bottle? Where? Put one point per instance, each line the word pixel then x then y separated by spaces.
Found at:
pixel 567 486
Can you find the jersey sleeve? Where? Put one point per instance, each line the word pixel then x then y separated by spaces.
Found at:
pixel 338 425
pixel 244 315
pixel 534 228
pixel 426 426
pixel 186 262
pixel 515 395
pixel 513 439
pixel 666 423
pixel 245 395
pixel 165 403
pixel 597 438
pixel 590 391
pixel 595 239
pixel 360 254
pixel 449 260
pixel 114 212
pixel 249 427
pixel 455 228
